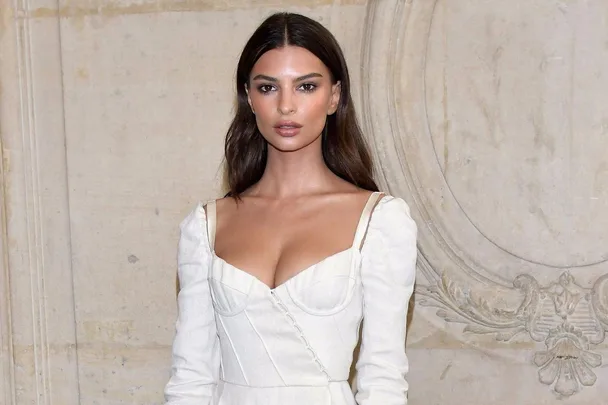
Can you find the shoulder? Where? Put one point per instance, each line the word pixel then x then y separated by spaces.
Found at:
pixel 390 207
pixel 225 206
pixel 198 213
pixel 195 213
pixel 193 238
pixel 195 222
pixel 392 215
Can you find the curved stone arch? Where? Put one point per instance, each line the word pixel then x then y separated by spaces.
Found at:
pixel 385 46
pixel 396 117
pixel 455 274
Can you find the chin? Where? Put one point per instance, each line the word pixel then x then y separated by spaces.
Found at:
pixel 289 145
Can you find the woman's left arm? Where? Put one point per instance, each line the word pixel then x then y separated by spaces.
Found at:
pixel 388 273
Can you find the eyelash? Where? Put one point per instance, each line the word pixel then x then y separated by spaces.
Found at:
pixel 306 88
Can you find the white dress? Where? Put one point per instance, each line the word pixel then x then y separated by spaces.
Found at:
pixel 240 342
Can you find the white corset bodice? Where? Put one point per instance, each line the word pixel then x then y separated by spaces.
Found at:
pixel 240 342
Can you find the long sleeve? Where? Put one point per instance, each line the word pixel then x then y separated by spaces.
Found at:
pixel 195 356
pixel 388 274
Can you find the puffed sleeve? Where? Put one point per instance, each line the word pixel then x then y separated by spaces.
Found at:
pixel 195 355
pixel 388 273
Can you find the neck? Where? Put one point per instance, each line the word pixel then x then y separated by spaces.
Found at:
pixel 294 174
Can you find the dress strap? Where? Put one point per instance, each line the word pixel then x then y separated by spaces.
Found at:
pixel 211 221
pixel 364 219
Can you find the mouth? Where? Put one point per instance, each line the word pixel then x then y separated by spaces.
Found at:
pixel 287 128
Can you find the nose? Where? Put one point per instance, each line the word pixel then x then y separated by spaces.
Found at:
pixel 287 103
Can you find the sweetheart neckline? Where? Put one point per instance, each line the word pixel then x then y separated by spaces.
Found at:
pixel 296 274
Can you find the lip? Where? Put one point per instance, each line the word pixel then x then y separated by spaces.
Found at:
pixel 287 128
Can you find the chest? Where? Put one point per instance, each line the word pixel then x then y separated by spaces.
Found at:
pixel 326 287
pixel 276 247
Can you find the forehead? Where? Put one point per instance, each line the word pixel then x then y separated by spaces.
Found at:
pixel 288 61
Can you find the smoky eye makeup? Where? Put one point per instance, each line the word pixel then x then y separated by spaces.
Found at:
pixel 308 87
pixel 267 84
pixel 264 88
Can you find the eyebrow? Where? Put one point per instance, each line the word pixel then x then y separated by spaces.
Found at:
pixel 299 79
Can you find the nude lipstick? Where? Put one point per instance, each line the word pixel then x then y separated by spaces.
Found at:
pixel 287 129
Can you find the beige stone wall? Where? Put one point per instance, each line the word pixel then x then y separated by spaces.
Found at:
pixel 113 118
pixel 487 117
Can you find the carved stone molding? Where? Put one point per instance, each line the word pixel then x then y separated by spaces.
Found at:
pixel 39 358
pixel 7 74
pixel 7 378
pixel 495 283
pixel 568 318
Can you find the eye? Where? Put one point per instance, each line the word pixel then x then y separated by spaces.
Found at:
pixel 308 87
pixel 265 88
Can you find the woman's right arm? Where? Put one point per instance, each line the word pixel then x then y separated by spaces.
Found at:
pixel 196 353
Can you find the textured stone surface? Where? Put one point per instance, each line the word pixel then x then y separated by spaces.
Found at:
pixel 493 130
pixel 113 118
pixel 486 117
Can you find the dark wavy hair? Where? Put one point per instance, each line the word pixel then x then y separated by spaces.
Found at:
pixel 345 151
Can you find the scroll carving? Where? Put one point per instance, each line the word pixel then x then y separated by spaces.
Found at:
pixel 568 318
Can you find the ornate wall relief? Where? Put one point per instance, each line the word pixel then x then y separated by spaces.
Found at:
pixel 488 118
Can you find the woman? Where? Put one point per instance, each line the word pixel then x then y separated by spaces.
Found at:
pixel 276 277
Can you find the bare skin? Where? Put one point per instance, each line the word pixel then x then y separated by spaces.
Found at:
pixel 299 213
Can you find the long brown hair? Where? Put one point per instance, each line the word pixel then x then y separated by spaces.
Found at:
pixel 345 151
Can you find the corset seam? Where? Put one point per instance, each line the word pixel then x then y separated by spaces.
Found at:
pixel 265 347
pixel 279 303
pixel 236 355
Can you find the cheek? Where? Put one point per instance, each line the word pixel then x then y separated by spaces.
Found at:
pixel 316 112
pixel 265 109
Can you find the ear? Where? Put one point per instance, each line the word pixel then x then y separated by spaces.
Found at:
pixel 335 98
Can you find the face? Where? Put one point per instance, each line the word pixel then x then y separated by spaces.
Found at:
pixel 291 93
